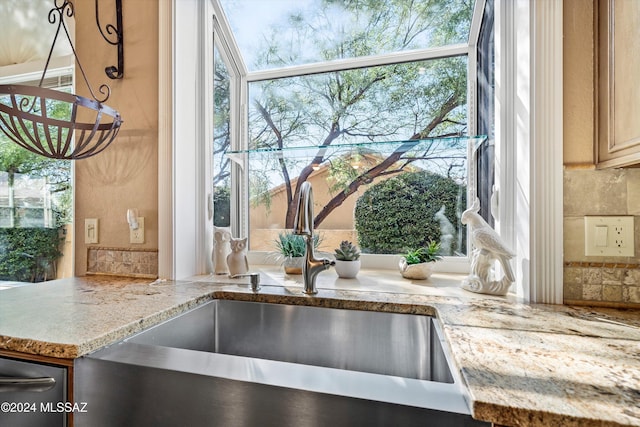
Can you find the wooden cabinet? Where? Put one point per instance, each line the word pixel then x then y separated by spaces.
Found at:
pixel 618 83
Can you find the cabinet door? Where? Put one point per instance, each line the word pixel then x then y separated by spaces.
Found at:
pixel 618 139
pixel 30 392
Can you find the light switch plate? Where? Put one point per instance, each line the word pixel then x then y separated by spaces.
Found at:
pixel 90 230
pixel 609 236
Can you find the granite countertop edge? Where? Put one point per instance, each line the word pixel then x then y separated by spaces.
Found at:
pixel 505 350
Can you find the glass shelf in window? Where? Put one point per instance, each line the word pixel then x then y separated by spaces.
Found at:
pixel 407 150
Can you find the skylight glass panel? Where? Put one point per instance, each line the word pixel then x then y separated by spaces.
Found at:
pixel 279 33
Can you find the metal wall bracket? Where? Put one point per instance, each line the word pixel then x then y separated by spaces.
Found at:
pixel 112 71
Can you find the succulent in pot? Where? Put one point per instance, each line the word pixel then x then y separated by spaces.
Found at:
pixel 417 263
pixel 347 260
pixel 290 250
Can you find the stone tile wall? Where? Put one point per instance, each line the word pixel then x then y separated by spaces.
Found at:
pixel 605 280
pixel 123 262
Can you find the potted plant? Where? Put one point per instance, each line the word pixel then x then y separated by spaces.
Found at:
pixel 347 260
pixel 291 249
pixel 417 263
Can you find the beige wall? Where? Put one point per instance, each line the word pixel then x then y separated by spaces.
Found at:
pixel 592 280
pixel 126 174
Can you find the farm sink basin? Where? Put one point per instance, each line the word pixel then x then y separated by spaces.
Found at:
pixel 238 363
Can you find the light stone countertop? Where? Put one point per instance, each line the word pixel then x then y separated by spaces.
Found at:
pixel 524 365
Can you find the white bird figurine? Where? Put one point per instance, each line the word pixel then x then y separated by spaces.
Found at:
pixel 489 246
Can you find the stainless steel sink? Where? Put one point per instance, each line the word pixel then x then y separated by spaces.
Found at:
pixel 379 343
pixel 231 363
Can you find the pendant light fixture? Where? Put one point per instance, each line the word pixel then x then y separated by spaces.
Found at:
pixel 88 127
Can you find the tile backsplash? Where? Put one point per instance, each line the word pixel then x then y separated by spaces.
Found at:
pixel 123 262
pixel 600 280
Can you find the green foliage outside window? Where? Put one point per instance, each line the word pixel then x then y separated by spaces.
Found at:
pixel 222 207
pixel 29 245
pixel 15 161
pixel 400 213
pixel 29 254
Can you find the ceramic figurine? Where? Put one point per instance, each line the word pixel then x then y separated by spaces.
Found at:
pixel 221 249
pixel 488 247
pixel 237 259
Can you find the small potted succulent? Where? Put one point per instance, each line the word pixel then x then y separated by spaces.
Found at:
pixel 417 263
pixel 291 249
pixel 347 260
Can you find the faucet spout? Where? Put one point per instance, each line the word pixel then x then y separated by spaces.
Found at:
pixel 304 214
pixel 304 227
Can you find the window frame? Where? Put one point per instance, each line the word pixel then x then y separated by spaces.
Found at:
pixel 528 51
pixel 240 193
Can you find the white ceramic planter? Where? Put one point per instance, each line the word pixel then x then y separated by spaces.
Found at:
pixel 420 271
pixel 347 269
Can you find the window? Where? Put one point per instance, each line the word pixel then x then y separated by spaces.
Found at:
pixel 343 114
pixel 275 34
pixel 370 74
pixel 36 208
pixel 221 141
pixel 182 236
pixel 486 107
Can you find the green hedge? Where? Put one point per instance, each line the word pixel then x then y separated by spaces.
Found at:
pixel 222 207
pixel 29 254
pixel 398 214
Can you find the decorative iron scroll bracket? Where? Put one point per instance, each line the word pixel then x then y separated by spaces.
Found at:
pixel 112 71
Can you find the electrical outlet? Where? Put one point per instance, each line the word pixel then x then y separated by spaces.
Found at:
pixel 90 230
pixel 137 235
pixel 609 236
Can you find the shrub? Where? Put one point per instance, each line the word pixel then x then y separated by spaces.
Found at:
pixel 222 206
pixel 399 213
pixel 28 254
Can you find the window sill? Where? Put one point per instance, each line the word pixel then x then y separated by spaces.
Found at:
pixel 368 280
pixel 453 265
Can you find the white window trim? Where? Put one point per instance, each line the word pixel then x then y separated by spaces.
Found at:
pixel 185 53
pixel 528 37
pixel 547 261
pixel 524 29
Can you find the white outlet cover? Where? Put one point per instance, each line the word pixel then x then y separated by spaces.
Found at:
pixel 609 236
pixel 137 236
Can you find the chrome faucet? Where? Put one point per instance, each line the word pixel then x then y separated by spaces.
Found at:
pixel 304 227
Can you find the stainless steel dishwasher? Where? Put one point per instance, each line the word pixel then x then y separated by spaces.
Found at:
pixel 31 394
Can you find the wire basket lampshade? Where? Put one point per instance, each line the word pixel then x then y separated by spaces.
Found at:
pixel 81 127
pixel 25 120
